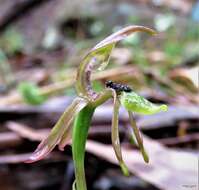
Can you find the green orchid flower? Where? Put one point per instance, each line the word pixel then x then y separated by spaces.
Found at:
pixel 82 108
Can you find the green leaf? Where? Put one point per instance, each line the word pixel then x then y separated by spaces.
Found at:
pixel 30 93
pixel 12 41
pixel 133 102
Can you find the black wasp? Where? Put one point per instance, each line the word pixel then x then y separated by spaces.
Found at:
pixel 118 87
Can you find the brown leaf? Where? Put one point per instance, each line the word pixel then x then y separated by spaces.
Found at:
pixel 167 169
pixel 188 77
pixel 26 132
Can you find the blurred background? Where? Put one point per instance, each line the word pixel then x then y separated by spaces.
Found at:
pixel 41 44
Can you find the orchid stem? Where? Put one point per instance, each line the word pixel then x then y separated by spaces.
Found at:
pixel 80 133
pixel 79 136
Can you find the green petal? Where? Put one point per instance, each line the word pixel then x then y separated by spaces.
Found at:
pixel 133 102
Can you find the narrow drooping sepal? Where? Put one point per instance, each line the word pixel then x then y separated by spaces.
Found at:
pixel 138 137
pixel 56 134
pixel 115 134
pixel 135 103
pixel 132 139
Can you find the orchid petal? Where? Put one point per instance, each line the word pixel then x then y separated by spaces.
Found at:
pixel 100 54
pixel 133 139
pixel 122 34
pixel 83 83
pixel 66 138
pixel 56 134
pixel 138 137
pixel 115 134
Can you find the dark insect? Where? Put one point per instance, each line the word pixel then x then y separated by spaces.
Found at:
pixel 118 87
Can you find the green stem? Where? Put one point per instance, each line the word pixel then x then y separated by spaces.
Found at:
pixel 80 133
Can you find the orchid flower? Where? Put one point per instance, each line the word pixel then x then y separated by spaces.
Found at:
pixel 82 108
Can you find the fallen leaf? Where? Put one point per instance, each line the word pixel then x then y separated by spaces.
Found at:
pixel 188 77
pixel 167 169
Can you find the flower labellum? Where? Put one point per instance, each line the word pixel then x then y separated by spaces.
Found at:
pixel 133 102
